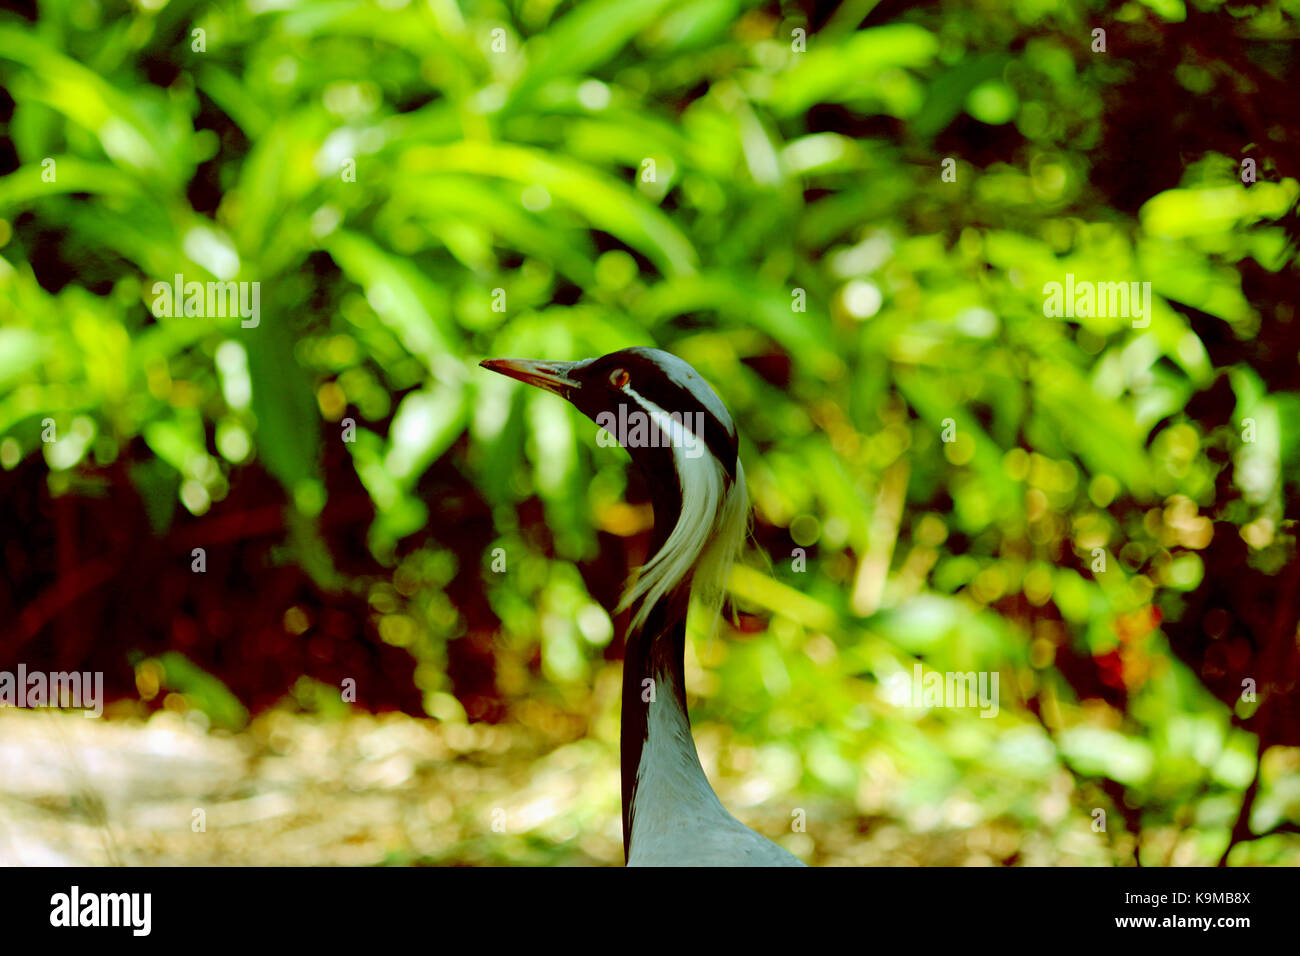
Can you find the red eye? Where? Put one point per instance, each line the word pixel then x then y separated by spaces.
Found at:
pixel 619 377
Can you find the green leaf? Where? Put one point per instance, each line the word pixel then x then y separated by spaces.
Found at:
pixel 288 421
pixel 603 201
pixel 204 691
pixel 402 298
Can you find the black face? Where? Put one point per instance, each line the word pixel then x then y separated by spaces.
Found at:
pixel 632 378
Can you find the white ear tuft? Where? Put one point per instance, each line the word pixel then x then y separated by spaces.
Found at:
pixel 729 533
pixel 708 535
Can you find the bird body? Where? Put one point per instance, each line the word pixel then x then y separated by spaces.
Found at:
pixel 677 819
pixel 687 449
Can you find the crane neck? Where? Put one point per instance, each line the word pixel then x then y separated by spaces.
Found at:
pixel 659 763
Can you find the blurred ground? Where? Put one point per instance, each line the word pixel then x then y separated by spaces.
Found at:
pixel 368 790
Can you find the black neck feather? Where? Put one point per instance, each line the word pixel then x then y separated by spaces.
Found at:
pixel 657 650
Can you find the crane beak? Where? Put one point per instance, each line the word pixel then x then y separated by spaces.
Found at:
pixel 549 376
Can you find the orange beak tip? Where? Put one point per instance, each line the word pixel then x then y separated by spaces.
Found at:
pixel 548 376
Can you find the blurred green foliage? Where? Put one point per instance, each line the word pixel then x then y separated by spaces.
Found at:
pixel 761 190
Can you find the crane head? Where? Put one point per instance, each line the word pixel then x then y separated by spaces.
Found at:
pixel 645 398
pixel 681 435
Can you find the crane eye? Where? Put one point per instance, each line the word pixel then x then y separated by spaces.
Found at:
pixel 619 377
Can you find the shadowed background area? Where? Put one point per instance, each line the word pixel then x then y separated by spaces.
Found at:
pixel 350 594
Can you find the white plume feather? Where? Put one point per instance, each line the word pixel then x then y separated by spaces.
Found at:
pixel 709 533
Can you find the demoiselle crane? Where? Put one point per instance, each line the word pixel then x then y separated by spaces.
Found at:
pixel 681 436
